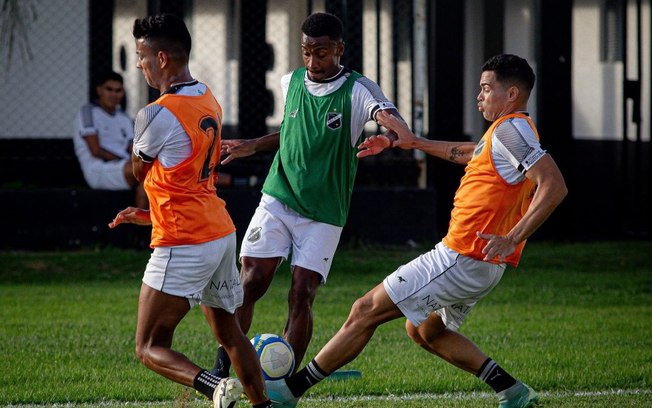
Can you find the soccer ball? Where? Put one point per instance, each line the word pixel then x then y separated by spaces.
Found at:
pixel 275 355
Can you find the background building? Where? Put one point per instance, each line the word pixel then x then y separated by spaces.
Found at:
pixel 591 102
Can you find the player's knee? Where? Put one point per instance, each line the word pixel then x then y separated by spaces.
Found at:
pixel 142 353
pixel 250 279
pixel 254 283
pixel 257 274
pixel 303 292
pixel 361 312
pixel 300 300
pixel 430 332
pixel 413 333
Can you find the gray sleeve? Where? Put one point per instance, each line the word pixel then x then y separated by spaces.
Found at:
pixel 86 123
pixel 378 100
pixel 520 143
pixel 144 119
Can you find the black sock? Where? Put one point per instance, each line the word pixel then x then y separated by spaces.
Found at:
pixel 266 404
pixel 222 363
pixel 494 376
pixel 206 383
pixel 306 377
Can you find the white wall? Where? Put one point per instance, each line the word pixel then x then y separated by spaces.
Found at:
pixel 377 61
pixel 597 85
pixel 283 34
pixel 597 95
pixel 136 89
pixel 214 57
pixel 519 39
pixel 40 97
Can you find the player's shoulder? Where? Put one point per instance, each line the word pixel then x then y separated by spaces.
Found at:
pixel 362 80
pixel 88 108
pixel 369 88
pixel 516 130
pixel 86 114
pixel 518 123
pixel 146 116
pixel 285 79
pixel 150 110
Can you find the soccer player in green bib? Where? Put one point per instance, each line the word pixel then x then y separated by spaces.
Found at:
pixel 307 192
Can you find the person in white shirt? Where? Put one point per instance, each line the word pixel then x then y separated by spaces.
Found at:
pixel 103 137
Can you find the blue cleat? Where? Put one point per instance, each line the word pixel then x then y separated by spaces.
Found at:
pixel 518 395
pixel 280 395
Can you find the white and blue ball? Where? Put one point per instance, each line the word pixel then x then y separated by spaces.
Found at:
pixel 275 355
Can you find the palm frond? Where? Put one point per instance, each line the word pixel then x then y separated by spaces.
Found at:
pixel 15 19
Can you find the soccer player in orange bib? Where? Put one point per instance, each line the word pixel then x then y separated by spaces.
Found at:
pixel 176 147
pixel 510 187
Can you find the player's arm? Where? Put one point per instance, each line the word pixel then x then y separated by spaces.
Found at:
pixel 390 134
pixel 140 166
pixel 86 128
pixel 151 131
pixel 93 143
pixel 236 148
pixel 550 191
pixel 377 143
pixel 456 152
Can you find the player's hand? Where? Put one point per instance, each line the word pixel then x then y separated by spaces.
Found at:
pixel 405 139
pixel 131 215
pixel 235 148
pixel 497 246
pixel 373 145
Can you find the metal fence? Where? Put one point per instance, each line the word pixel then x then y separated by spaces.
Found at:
pixel 240 49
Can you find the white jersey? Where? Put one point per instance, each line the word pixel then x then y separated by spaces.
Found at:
pixel 115 132
pixel 366 98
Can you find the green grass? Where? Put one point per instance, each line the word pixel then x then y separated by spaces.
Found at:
pixel 574 321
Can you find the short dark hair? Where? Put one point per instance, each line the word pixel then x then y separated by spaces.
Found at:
pixel 109 76
pixel 321 24
pixel 165 31
pixel 510 69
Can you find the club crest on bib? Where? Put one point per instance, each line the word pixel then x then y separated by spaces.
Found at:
pixel 334 120
pixel 478 148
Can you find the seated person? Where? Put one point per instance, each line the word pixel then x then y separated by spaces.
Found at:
pixel 103 137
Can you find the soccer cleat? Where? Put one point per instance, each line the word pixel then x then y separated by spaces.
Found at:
pixel 280 395
pixel 227 393
pixel 518 396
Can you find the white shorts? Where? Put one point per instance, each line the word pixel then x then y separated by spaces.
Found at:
pixel 275 230
pixel 101 175
pixel 205 273
pixel 444 282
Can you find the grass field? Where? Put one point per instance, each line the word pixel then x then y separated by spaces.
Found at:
pixel 574 321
